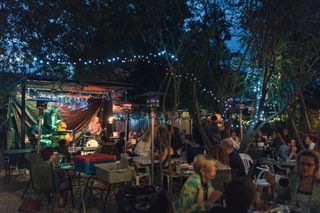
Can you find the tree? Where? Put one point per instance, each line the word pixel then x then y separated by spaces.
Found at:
pixel 276 71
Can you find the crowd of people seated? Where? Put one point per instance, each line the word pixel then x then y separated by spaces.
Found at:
pixel 301 187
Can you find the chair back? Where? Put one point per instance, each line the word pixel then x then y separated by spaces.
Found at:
pixel 247 161
pixel 42 177
pixel 34 157
pixel 223 177
pixel 271 165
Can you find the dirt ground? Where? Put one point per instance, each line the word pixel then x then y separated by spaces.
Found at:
pixel 11 196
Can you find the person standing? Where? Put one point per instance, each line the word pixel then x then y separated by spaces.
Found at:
pixel 51 119
pixel 213 128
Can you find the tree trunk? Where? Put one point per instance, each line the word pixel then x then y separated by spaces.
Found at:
pixel 305 112
pixel 247 140
pixel 23 113
pixel 169 162
pixel 197 117
pixel 295 130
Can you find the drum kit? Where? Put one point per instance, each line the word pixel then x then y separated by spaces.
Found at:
pixel 89 140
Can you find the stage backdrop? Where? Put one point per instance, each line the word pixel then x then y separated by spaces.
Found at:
pixel 77 118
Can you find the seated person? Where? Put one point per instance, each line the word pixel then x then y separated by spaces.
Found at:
pixel 237 167
pixel 280 145
pixel 260 138
pixel 238 195
pixel 143 147
pixel 197 193
pixel 235 139
pixel 303 187
pixel 309 141
pixel 63 149
pixel 47 155
pixel 292 149
pixel 119 146
pixel 193 148
pixel 176 142
pixel 221 156
pixel 317 148
pixel 165 152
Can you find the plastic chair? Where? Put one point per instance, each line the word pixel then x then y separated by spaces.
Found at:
pixel 247 161
pixel 141 172
pixel 175 175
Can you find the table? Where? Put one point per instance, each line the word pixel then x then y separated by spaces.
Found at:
pixel 16 151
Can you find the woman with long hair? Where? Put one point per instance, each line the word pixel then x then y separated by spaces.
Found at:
pixel 303 187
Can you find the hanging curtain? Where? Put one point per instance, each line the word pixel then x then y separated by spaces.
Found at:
pixel 76 119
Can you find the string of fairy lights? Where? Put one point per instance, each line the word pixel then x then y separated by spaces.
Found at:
pixel 73 100
pixel 117 59
pixel 96 61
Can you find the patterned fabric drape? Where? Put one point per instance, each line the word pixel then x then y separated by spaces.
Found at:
pixel 76 119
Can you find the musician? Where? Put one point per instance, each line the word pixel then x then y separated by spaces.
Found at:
pixel 51 119
pixel 32 134
pixel 94 126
